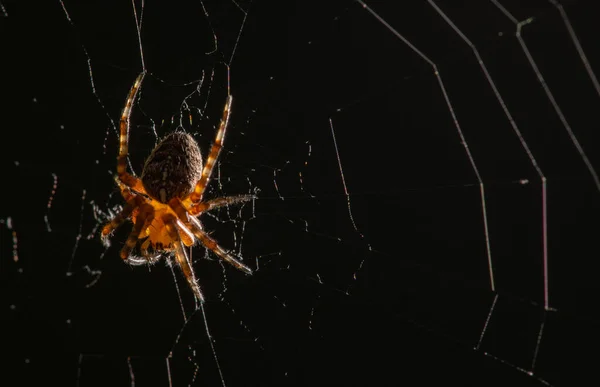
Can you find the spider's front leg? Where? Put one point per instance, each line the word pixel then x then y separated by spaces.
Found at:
pixel 142 221
pixel 196 195
pixel 133 202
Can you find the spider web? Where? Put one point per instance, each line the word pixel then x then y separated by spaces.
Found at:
pixel 426 181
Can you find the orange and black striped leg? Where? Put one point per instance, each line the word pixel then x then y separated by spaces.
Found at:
pixel 133 185
pixel 181 257
pixel 125 190
pixel 132 203
pixel 142 221
pixel 191 224
pixel 122 173
pixel 212 245
pixel 197 209
pixel 196 196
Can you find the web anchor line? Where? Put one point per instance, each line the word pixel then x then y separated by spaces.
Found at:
pixel 550 96
pixel 50 199
pixel 475 168
pixel 519 135
pixel 91 74
pixel 454 118
pixel 348 201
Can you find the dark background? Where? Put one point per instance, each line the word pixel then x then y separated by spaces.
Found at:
pixel 405 298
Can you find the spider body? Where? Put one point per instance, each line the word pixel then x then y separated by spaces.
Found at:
pixel 173 168
pixel 165 203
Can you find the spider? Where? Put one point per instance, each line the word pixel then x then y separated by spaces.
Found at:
pixel 165 202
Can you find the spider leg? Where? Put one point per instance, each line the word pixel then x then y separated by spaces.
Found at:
pixel 148 258
pixel 128 191
pixel 142 221
pixel 197 209
pixel 123 175
pixel 184 233
pixel 212 244
pixel 181 256
pixel 196 195
pixel 195 227
pixel 125 213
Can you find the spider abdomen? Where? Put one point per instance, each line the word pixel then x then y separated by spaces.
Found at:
pixel 173 167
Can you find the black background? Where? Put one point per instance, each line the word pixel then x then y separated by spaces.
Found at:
pixel 404 304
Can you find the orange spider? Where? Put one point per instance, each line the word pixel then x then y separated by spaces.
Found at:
pixel 165 203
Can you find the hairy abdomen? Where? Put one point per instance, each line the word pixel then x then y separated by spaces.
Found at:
pixel 173 167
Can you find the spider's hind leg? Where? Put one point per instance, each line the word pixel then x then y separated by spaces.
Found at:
pixel 192 224
pixel 129 185
pixel 197 209
pixel 181 256
pixel 212 245
pixel 124 123
pixel 196 195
